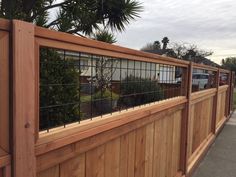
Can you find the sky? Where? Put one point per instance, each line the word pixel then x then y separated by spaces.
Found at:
pixel 209 24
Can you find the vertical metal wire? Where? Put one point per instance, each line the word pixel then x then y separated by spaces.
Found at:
pixel 79 88
pixel 63 87
pixel 47 93
pixel 91 87
pixel 111 83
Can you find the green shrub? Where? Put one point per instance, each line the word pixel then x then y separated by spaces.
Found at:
pixel 136 86
pixel 105 95
pixel 55 70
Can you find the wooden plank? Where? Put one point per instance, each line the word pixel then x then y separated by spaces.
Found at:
pixel 5 160
pixel 95 162
pixel 23 100
pixel 140 152
pixel 206 67
pixel 149 150
pixel 215 104
pixel 51 172
pixel 184 123
pixel 74 167
pixel 127 154
pixel 103 52
pixel 204 93
pixel 76 40
pixel 169 145
pixel 4 90
pixel 7 171
pixel 54 157
pixel 4 24
pixel 131 154
pixel 112 158
pixel 199 154
pixel 176 143
pixel 158 140
pixel 163 148
pixel 69 135
pixel 190 131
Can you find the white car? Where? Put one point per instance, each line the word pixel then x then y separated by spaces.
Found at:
pixel 199 79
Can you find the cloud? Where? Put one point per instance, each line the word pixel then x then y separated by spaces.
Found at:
pixel 210 24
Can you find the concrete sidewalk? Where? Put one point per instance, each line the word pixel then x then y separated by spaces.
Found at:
pixel 221 158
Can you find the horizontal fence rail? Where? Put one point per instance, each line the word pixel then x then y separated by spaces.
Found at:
pixel 86 108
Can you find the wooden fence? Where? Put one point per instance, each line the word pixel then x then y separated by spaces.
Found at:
pixel 163 139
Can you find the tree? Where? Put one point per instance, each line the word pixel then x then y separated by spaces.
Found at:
pixel 74 16
pixel 105 36
pixel 165 41
pixel 157 45
pixel 189 51
pixel 229 63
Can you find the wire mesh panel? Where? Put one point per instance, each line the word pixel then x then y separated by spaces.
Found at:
pixel 76 86
pixel 203 79
pixel 223 79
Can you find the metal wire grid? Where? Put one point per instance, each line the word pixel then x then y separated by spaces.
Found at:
pixel 203 79
pixel 76 86
pixel 223 79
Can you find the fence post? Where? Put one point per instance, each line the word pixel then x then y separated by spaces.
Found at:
pixel 185 118
pixel 24 161
pixel 215 103
pixel 228 95
pixel 231 100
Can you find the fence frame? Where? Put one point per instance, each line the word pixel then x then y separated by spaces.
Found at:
pixel 27 39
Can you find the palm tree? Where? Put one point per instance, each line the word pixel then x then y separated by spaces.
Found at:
pixel 105 36
pixel 165 41
pixel 74 16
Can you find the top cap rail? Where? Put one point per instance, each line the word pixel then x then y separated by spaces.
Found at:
pixel 69 38
pixel 206 67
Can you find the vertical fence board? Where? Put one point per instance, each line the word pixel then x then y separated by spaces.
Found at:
pixel 51 172
pixel 23 100
pixel 74 167
pixel 149 150
pixel 95 162
pixel 112 158
pixel 140 152
pixel 157 146
pixel 4 90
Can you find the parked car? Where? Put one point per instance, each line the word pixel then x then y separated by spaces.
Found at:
pixel 202 80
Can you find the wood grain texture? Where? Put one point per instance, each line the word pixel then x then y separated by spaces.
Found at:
pixel 112 158
pixel 4 91
pixel 48 37
pixel 95 162
pixel 200 126
pixel 150 150
pixel 55 140
pixel 4 24
pixel 74 167
pixel 23 100
pixel 51 172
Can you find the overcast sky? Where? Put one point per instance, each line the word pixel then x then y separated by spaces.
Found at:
pixel 210 24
